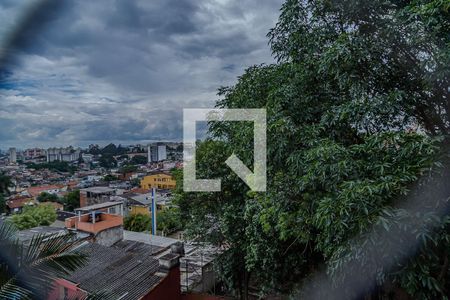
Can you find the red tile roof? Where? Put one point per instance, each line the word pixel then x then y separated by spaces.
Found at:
pixel 139 191
pixel 37 190
pixel 19 202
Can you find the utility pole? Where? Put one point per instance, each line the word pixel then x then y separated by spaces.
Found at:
pixel 153 212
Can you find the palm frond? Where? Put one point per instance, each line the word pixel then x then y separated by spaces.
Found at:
pixel 31 270
pixel 12 291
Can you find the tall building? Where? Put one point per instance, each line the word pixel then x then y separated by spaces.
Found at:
pixel 156 152
pixel 34 153
pixel 68 154
pixel 12 155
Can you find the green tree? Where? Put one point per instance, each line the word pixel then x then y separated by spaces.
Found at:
pixel 2 204
pixel 42 215
pixel 139 160
pixel 47 197
pixel 168 220
pixel 107 161
pixel 137 222
pixel 357 126
pixel 71 200
pixel 5 183
pixel 127 169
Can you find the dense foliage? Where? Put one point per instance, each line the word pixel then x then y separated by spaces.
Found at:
pixel 137 222
pixel 71 200
pixel 168 220
pixel 107 161
pixel 48 197
pixel 358 123
pixel 138 160
pixel 5 183
pixel 32 216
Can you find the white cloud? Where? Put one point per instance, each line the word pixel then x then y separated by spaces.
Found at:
pixel 125 71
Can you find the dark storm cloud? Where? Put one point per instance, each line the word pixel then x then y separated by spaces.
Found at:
pixel 122 70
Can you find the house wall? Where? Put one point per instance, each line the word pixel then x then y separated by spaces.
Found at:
pixel 110 236
pixel 200 297
pixel 158 181
pixel 168 288
pixel 83 199
pixel 135 210
pixel 66 288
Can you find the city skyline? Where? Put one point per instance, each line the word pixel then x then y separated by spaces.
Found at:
pixel 80 77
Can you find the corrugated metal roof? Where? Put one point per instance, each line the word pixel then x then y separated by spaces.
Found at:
pixel 127 270
pixel 147 238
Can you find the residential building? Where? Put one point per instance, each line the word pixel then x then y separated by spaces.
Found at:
pixel 16 205
pixel 124 269
pixel 68 154
pixel 87 158
pixel 156 152
pixel 12 155
pixel 138 203
pixel 129 265
pixel 95 195
pixel 158 181
pixel 33 153
pixel 35 191
pixel 110 207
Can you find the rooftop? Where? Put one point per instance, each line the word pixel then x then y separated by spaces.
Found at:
pixel 20 202
pixel 94 222
pixel 99 206
pixel 147 238
pixel 124 271
pixel 25 236
pixel 37 190
pixel 98 190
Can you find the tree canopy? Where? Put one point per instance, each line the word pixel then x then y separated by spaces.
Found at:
pixel 137 222
pixel 357 132
pixel 42 215
pixel 168 220
pixel 48 197
pixel 71 200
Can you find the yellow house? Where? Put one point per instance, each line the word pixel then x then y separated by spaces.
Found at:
pixel 138 210
pixel 158 181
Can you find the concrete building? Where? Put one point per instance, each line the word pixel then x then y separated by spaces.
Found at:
pixel 12 155
pixel 110 207
pixel 156 152
pixel 33 153
pixel 158 181
pixel 87 158
pixel 68 154
pixel 95 195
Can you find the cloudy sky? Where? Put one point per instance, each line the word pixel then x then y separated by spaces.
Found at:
pixel 120 71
